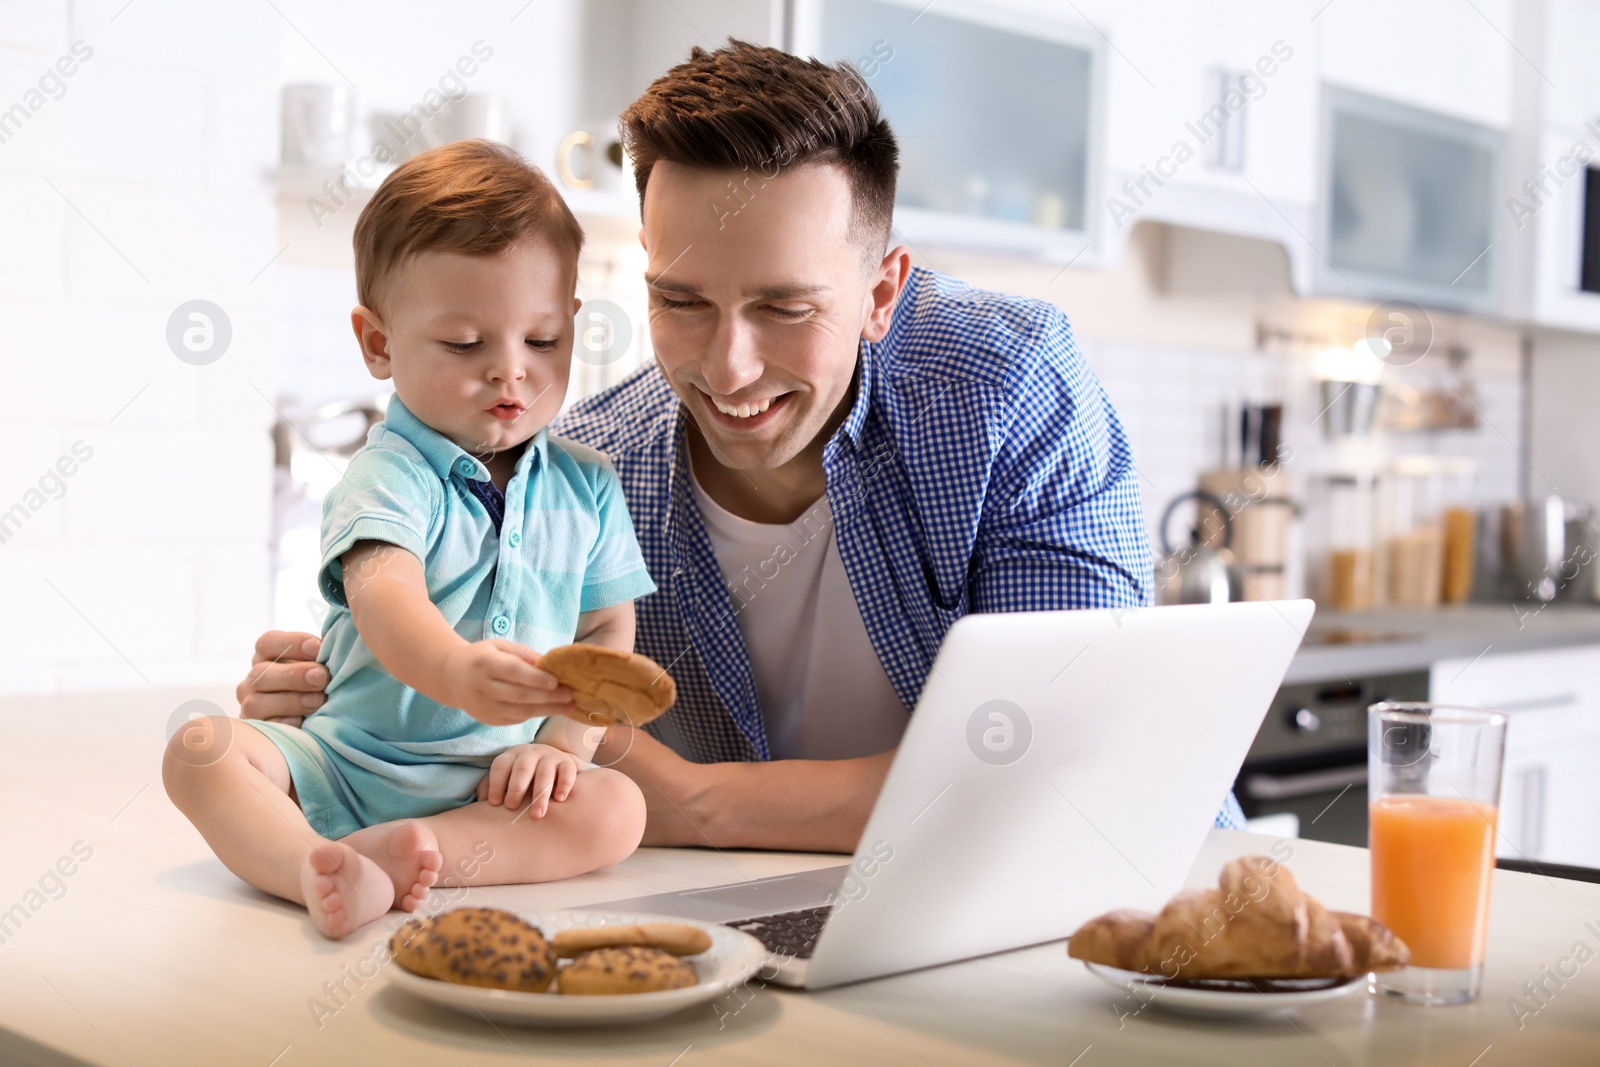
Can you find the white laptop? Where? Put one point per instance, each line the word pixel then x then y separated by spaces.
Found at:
pixel 1059 765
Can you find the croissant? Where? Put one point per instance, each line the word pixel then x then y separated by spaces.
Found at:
pixel 1257 923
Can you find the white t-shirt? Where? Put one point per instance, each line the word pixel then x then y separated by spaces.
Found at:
pixel 823 692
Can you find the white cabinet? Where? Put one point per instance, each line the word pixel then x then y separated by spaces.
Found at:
pixel 1559 106
pixel 1550 793
pixel 1409 206
pixel 1439 55
pixel 997 115
pixel 1212 123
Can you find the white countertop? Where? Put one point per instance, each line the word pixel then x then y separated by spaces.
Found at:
pixel 156 956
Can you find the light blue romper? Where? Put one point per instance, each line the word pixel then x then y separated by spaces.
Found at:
pixel 379 750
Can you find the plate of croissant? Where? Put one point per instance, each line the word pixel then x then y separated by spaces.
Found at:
pixel 1256 944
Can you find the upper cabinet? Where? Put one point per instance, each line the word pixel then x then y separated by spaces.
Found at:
pixel 1431 150
pixel 1409 208
pixel 998 116
pixel 1443 56
pixel 1212 121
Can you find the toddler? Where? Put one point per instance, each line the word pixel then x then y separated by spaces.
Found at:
pixel 462 538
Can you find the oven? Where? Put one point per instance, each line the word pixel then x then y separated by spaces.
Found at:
pixel 1310 757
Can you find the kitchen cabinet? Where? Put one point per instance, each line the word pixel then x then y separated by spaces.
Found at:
pixel 1212 123
pixel 1409 206
pixel 1545 180
pixel 627 44
pixel 1436 55
pixel 998 115
pixel 1550 793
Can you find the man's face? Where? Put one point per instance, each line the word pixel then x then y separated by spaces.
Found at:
pixel 756 311
pixel 479 347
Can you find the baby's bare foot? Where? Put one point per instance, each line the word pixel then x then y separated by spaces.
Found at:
pixel 343 889
pixel 408 852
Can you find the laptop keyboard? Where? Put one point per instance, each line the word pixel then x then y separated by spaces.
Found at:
pixel 793 933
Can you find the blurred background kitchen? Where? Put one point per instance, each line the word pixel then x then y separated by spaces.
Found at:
pixel 1337 262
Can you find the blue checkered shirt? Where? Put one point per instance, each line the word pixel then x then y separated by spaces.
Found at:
pixel 981 468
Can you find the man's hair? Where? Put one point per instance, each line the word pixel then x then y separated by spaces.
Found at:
pixel 761 110
pixel 473 197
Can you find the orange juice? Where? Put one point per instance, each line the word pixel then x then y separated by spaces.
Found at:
pixel 1431 862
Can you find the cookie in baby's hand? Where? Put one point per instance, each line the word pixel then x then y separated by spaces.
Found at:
pixel 625 969
pixel 609 686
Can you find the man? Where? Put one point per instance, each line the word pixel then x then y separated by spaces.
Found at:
pixel 834 457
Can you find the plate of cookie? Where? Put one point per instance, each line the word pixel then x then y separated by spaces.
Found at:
pixel 569 968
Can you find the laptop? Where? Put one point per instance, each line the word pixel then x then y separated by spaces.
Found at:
pixel 1059 765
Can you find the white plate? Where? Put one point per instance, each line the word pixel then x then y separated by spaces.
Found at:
pixel 732 958
pixel 1268 997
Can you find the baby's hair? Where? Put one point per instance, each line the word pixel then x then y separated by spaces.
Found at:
pixel 473 197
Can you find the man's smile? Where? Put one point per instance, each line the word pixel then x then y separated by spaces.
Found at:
pixel 747 414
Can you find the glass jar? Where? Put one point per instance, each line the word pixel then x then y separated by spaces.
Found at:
pixel 1342 507
pixel 1413 532
pixel 1458 488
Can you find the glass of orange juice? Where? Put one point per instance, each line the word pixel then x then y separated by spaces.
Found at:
pixel 1434 791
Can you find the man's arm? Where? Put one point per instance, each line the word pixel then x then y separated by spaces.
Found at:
pixel 798 805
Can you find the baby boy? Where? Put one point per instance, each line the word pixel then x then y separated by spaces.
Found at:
pixel 461 538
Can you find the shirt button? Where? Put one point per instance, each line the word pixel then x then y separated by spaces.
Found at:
pixel 515 539
pixel 500 624
pixel 466 467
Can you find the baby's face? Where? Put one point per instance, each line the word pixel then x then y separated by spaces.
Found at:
pixel 479 347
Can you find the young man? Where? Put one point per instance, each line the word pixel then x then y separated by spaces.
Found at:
pixel 833 458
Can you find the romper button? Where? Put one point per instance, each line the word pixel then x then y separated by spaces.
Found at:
pixel 515 539
pixel 465 466
pixel 500 624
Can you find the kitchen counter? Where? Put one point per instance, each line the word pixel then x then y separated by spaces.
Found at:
pixel 1417 639
pixel 151 953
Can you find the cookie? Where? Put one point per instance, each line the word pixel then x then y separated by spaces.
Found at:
pixel 609 686
pixel 482 947
pixel 679 939
pixel 406 946
pixel 625 969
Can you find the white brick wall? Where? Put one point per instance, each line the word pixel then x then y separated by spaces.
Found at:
pixel 143 186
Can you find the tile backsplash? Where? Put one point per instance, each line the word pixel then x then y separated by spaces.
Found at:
pixel 1172 400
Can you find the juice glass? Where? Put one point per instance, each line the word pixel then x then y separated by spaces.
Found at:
pixel 1434 788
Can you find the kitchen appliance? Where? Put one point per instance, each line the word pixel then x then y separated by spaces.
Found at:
pixel 1535 547
pixel 1059 764
pixel 1310 757
pixel 1198 572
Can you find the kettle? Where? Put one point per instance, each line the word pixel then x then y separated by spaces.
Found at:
pixel 1195 572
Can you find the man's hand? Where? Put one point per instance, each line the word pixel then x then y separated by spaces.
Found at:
pixel 285 681
pixel 671 784
pixel 541 773
pixel 805 805
pixel 498 682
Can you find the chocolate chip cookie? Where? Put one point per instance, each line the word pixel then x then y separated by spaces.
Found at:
pixel 625 969
pixel 480 947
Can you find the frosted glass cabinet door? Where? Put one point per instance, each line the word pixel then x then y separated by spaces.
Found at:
pixel 1408 203
pixel 995 118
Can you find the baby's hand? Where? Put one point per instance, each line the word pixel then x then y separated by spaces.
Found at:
pixel 498 682
pixel 541 773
